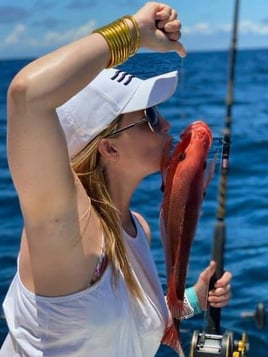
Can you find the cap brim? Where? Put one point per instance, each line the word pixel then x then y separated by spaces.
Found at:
pixel 152 91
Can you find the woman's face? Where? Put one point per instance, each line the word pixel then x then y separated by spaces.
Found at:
pixel 138 147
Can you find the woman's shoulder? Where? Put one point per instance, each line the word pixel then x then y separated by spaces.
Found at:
pixel 144 224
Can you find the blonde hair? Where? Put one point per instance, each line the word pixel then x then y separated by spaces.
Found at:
pixel 87 166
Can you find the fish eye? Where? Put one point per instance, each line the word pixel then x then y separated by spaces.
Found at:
pixel 182 156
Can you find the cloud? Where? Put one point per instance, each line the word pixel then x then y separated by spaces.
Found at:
pixel 14 36
pixel 58 38
pixel 244 27
pixel 205 28
pixel 199 28
pixel 12 14
pixel 20 36
pixel 248 27
pixel 23 40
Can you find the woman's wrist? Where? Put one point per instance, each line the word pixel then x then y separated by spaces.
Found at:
pixel 122 37
pixel 193 300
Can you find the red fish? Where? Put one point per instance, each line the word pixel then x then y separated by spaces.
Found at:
pixel 184 182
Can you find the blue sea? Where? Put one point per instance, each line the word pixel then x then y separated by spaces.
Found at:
pixel 200 94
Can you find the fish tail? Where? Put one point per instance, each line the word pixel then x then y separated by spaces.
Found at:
pixel 171 339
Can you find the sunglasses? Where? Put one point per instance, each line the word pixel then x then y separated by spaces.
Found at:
pixel 151 117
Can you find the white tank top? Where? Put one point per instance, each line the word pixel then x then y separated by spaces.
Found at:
pixel 100 321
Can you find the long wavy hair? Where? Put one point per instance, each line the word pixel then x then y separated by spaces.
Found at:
pixel 87 166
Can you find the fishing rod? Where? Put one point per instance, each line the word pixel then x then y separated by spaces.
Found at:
pixel 211 342
pixel 214 314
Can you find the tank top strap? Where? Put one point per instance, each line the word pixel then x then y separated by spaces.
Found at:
pixel 101 263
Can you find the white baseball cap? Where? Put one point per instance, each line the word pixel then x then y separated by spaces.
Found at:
pixel 111 93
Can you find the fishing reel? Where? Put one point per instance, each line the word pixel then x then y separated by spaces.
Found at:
pixel 206 345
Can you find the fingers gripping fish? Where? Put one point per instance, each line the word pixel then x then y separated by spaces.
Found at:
pixel 184 183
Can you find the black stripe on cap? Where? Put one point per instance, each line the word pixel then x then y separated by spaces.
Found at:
pixel 123 77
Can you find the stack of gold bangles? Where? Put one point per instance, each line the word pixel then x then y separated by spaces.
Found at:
pixel 120 39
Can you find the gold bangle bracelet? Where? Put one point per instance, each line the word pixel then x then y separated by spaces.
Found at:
pixel 120 39
pixel 137 32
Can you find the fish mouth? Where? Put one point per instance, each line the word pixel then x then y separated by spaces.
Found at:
pixel 200 130
pixel 214 143
pixel 214 151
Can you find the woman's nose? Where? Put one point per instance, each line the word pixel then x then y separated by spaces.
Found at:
pixel 165 125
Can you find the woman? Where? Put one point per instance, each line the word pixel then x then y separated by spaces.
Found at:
pixel 86 283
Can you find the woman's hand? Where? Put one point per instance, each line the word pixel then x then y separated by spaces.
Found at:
pixel 160 29
pixel 217 297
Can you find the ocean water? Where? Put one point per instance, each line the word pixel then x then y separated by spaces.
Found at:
pixel 200 95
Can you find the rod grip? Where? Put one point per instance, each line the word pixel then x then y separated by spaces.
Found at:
pixel 213 313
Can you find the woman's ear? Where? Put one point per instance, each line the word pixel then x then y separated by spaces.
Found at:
pixel 107 149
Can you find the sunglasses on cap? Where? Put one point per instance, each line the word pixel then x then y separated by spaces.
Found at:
pixel 151 117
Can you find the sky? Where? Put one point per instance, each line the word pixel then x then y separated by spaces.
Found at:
pixel 32 28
